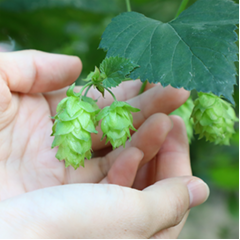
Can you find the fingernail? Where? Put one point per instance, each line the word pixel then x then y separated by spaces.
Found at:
pixel 198 192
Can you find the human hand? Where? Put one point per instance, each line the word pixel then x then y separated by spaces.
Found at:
pixel 27 161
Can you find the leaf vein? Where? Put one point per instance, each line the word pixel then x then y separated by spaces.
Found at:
pixel 149 45
pixel 172 59
pixel 125 29
pixel 134 38
pixel 154 31
pixel 192 51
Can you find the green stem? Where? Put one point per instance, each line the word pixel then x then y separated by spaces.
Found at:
pixel 86 92
pixel 85 86
pixel 111 94
pixel 128 5
pixel 182 7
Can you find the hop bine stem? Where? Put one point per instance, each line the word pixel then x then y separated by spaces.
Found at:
pixel 182 7
pixel 128 5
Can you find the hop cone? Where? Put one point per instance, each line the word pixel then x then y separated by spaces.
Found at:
pixel 185 112
pixel 74 122
pixel 213 118
pixel 116 122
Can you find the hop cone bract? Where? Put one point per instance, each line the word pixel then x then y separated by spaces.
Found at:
pixel 213 118
pixel 116 123
pixel 74 122
pixel 185 112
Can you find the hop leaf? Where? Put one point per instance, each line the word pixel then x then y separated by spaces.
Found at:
pixel 185 112
pixel 196 50
pixel 115 70
pixel 116 123
pixel 74 122
pixel 213 118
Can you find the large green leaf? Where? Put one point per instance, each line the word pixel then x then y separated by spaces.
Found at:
pixel 90 5
pixel 197 50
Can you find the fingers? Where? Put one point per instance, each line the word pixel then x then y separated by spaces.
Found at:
pixel 124 168
pixel 121 170
pixel 157 99
pixel 5 95
pixel 148 139
pixel 173 161
pixel 173 158
pixel 33 71
pixel 100 210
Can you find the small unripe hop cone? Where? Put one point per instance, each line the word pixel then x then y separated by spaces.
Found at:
pixel 213 118
pixel 74 122
pixel 116 123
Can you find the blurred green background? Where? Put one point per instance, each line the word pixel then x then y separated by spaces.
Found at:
pixel 75 27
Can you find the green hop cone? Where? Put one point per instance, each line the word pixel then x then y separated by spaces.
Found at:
pixel 213 118
pixel 74 122
pixel 185 112
pixel 116 123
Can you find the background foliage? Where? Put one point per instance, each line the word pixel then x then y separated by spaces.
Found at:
pixel 75 27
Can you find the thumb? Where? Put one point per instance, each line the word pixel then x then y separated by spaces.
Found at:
pixel 100 210
pixel 169 200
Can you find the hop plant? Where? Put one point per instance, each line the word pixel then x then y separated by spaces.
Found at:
pixel 76 115
pixel 213 118
pixel 74 122
pixel 185 112
pixel 116 123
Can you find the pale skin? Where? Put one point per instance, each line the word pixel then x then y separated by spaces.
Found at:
pixel 142 191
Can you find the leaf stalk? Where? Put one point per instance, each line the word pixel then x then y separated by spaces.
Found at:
pixel 143 87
